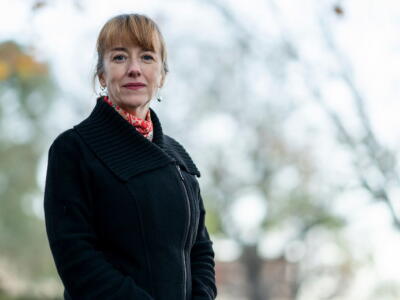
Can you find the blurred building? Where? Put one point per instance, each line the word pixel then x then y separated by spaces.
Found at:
pixel 278 280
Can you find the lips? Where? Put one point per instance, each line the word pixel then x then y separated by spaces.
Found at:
pixel 134 85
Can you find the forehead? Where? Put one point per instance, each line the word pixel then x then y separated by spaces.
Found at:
pixel 128 48
pixel 126 37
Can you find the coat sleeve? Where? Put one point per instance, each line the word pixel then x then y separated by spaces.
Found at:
pixel 82 267
pixel 202 262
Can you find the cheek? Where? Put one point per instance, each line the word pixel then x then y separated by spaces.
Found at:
pixel 154 71
pixel 156 77
pixel 114 73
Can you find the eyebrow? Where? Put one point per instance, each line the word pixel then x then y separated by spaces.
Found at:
pixel 126 50
pixel 119 49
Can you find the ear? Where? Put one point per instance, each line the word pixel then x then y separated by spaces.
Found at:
pixel 162 80
pixel 102 80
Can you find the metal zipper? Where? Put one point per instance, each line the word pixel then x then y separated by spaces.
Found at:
pixel 188 229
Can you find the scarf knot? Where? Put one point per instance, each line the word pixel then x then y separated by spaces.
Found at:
pixel 143 126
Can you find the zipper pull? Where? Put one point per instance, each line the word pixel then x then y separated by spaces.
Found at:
pixel 179 170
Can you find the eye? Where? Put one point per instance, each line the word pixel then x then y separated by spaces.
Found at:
pixel 119 58
pixel 148 57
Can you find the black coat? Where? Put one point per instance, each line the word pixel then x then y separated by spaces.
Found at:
pixel 124 216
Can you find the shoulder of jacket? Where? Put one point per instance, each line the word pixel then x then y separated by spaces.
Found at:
pixel 175 146
pixel 172 142
pixel 180 153
pixel 67 140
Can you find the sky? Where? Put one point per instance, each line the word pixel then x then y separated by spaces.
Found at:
pixel 367 36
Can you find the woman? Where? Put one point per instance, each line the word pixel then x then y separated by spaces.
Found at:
pixel 123 211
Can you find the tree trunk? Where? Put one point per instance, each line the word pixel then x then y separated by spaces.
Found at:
pixel 253 264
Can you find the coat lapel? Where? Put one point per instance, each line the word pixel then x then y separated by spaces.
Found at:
pixel 124 150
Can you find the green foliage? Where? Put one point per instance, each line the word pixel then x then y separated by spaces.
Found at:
pixel 213 221
pixel 304 209
pixel 26 91
pixel 4 296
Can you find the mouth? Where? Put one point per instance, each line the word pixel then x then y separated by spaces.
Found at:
pixel 134 85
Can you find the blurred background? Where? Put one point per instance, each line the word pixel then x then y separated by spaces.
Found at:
pixel 296 134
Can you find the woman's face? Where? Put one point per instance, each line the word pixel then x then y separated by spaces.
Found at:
pixel 132 76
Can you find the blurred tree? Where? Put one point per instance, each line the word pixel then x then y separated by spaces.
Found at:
pixel 242 82
pixel 26 92
pixel 238 90
pixel 39 4
pixel 374 163
pixel 246 61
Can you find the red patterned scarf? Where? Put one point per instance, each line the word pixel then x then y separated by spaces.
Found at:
pixel 145 127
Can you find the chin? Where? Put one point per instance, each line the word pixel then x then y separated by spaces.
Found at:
pixel 133 102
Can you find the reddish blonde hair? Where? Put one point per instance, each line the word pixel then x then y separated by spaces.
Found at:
pixel 132 30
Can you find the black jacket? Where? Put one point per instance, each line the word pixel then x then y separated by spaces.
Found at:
pixel 124 216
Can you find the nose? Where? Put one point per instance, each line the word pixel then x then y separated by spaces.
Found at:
pixel 134 69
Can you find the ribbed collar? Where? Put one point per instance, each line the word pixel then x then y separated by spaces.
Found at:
pixel 124 150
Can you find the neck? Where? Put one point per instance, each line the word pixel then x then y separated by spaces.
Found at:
pixel 138 111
